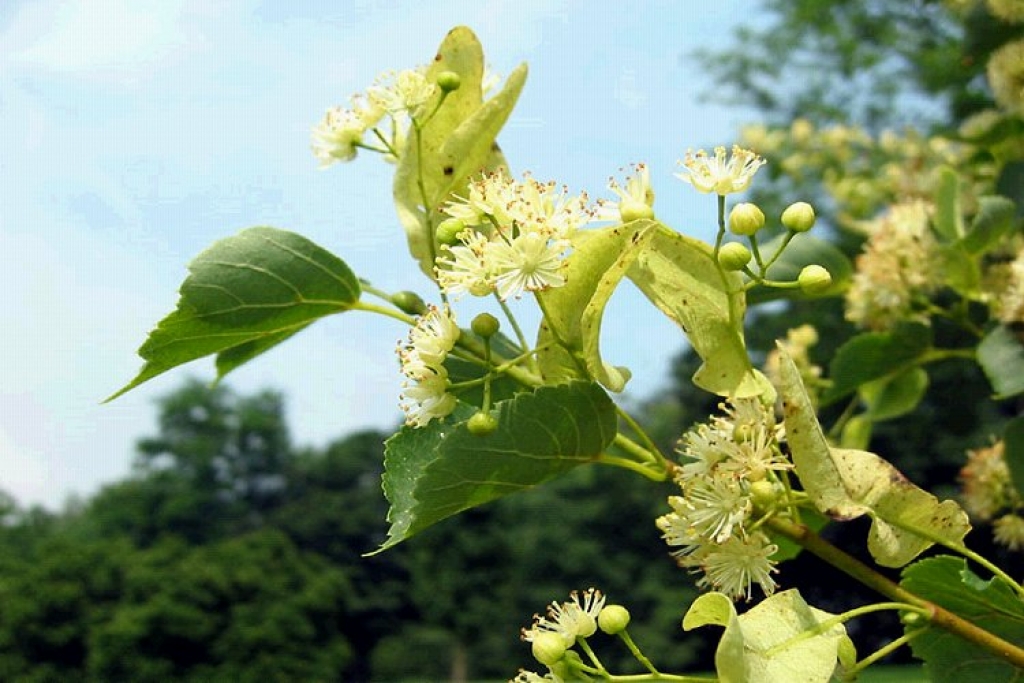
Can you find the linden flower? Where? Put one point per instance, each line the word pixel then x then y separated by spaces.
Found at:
pixel 718 174
pixel 636 199
pixel 1009 531
pixel 525 676
pixel 736 565
pixel 987 484
pixel 401 91
pixel 1010 304
pixel 529 263
pixel 425 393
pixel 570 620
pixel 339 135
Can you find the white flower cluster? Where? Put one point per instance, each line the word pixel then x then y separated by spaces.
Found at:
pixel 712 522
pixel 425 392
pixel 515 238
pixel 396 94
pixel 898 269
pixel 989 494
pixel 636 197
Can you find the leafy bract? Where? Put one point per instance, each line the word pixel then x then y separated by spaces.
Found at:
pixel 803 250
pixel 678 274
pixel 875 355
pixel 600 258
pixel 778 641
pixel 244 295
pixel 441 469
pixel 1001 356
pixel 457 142
pixel 846 483
pixel 992 605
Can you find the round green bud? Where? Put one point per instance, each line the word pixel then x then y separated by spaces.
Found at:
pixel 613 619
pixel 449 81
pixel 548 647
pixel 485 325
pixel 448 230
pixel 409 302
pixel 799 217
pixel 632 210
pixel 746 219
pixel 912 618
pixel 482 424
pixel 763 494
pixel 734 255
pixel 814 279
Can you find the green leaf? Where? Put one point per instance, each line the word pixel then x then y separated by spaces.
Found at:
pixel 875 355
pixel 244 295
pixel 894 396
pixel 1013 451
pixel 678 274
pixel 502 387
pixel 599 260
pixel 456 143
pixel 780 640
pixel 949 222
pixel 992 605
pixel 846 483
pixel 1001 356
pixel 803 250
pixel 962 270
pixel 994 220
pixel 441 469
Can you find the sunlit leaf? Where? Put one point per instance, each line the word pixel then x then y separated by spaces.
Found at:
pixel 995 218
pixel 244 295
pixel 456 143
pixel 779 641
pixel 441 469
pixel 846 483
pixel 991 605
pixel 949 222
pixel 599 260
pixel 679 276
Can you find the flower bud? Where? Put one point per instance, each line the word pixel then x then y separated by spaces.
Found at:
pixel 548 648
pixel 734 255
pixel 814 279
pixel 586 625
pixel 482 424
pixel 745 219
pixel 485 325
pixel 798 217
pixel 763 494
pixel 613 619
pixel 409 302
pixel 448 230
pixel 448 81
pixel 632 210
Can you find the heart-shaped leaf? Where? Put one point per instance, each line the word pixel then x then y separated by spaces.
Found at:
pixel 244 295
pixel 441 469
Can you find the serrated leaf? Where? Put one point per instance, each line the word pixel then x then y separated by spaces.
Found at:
pixel 894 396
pixel 1001 356
pixel 875 355
pixel 803 250
pixel 991 604
pixel 846 483
pixel 949 222
pixel 600 258
pixel 461 371
pixel 679 276
pixel 456 143
pixel 244 295
pixel 770 643
pixel 1013 451
pixel 994 220
pixel 441 469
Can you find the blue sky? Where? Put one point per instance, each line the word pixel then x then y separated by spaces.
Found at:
pixel 137 132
